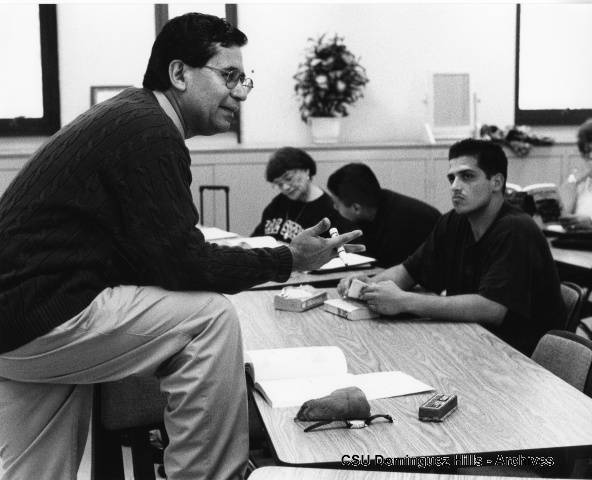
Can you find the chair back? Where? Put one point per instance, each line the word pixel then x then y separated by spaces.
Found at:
pixel 568 356
pixel 574 297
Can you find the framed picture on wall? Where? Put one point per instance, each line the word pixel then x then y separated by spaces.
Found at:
pixel 99 94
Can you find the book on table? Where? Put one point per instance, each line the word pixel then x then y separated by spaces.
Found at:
pixel 354 261
pixel 287 377
pixel 264 241
pixel 349 309
pixel 213 234
pixel 545 199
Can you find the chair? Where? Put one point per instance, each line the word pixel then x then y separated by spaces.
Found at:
pixel 568 356
pixel 130 407
pixel 574 297
pixel 584 328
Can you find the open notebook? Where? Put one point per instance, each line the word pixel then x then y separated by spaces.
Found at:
pixel 354 261
pixel 287 377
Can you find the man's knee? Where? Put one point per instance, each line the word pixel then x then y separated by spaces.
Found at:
pixel 223 313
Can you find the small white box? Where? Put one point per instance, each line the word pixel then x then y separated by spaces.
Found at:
pixel 355 288
pixel 299 299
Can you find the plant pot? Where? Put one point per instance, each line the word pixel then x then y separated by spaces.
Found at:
pixel 325 129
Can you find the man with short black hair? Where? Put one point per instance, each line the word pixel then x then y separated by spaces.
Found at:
pixel 103 274
pixel 394 225
pixel 490 258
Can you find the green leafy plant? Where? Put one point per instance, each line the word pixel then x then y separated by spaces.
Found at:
pixel 329 79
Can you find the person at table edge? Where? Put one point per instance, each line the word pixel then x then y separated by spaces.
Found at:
pixel 489 258
pixel 393 225
pixel 300 202
pixel 103 274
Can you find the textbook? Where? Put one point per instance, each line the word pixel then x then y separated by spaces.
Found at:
pixel 211 234
pixel 349 309
pixel 354 260
pixel 264 241
pixel 546 200
pixel 288 377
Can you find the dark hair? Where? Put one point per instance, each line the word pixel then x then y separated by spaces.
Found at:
pixel 355 183
pixel 490 157
pixel 192 38
pixel 289 158
pixel 585 137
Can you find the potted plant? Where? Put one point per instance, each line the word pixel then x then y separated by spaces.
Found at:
pixel 328 80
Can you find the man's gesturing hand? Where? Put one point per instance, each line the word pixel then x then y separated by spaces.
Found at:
pixel 310 251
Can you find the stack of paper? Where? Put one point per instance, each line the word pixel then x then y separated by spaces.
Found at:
pixel 214 233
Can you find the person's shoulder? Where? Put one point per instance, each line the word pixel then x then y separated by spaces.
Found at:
pixel 279 199
pixel 325 199
pixel 389 196
pixel 515 219
pixel 518 227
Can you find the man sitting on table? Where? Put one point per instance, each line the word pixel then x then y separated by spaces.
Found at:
pixel 394 225
pixel 490 258
pixel 104 276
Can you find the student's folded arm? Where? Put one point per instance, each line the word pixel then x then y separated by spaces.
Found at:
pixel 459 308
pixel 397 274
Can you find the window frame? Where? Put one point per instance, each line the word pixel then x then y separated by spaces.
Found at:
pixel 548 117
pixel 50 122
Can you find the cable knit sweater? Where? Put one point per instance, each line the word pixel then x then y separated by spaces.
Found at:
pixel 106 202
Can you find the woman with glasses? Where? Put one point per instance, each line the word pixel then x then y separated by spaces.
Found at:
pixel 300 203
pixel 576 192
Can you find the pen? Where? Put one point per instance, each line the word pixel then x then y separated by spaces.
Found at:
pixel 340 251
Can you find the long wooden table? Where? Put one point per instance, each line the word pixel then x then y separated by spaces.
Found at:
pixel 576 258
pixel 291 473
pixel 506 401
pixel 325 279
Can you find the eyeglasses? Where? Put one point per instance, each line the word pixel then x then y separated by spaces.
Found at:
pixel 233 77
pixel 287 179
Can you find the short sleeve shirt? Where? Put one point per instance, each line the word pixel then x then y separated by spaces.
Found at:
pixel 511 264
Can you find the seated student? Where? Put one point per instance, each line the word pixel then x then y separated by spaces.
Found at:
pixel 394 225
pixel 576 193
pixel 300 203
pixel 490 258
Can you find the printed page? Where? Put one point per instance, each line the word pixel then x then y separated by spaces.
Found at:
pixel 286 363
pixel 293 392
pixel 389 384
pixel 215 233
pixel 253 242
pixel 353 260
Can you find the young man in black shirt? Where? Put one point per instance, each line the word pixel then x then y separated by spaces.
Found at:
pixel 394 225
pixel 490 258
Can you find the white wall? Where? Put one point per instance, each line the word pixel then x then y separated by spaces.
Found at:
pixel 399 44
pixel 100 44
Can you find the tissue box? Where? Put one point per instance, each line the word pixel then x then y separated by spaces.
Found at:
pixel 299 299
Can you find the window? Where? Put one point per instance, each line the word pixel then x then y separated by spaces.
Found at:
pixel 29 94
pixel 553 71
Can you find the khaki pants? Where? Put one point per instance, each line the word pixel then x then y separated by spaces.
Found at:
pixel 190 340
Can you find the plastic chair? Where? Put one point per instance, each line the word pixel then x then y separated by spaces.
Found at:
pixel 568 356
pixel 131 408
pixel 584 328
pixel 574 297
